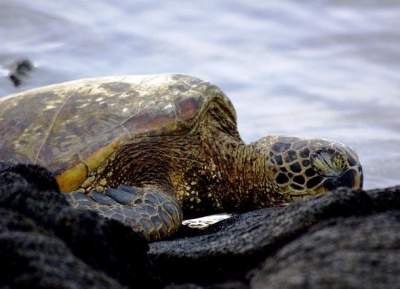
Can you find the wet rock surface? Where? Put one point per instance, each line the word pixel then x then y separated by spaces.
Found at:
pixel 344 239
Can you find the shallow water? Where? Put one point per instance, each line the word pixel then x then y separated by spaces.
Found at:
pixel 325 68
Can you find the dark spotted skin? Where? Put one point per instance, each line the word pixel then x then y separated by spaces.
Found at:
pixel 291 155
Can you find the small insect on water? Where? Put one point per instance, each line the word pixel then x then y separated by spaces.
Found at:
pixel 20 70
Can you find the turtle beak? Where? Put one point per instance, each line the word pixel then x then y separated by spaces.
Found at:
pixel 352 178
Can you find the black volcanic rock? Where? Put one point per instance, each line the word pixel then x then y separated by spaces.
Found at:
pixel 353 252
pixel 33 260
pixel 31 194
pixel 299 245
pixel 345 239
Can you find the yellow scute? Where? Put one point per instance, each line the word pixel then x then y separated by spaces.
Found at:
pixel 71 179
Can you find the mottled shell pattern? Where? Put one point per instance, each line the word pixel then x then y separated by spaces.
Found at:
pixel 61 125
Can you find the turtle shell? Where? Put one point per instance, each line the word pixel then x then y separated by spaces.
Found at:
pixel 64 125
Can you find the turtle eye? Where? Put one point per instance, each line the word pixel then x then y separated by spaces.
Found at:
pixel 328 162
pixel 339 162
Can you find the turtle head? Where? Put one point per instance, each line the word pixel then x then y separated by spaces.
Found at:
pixel 334 165
pixel 310 167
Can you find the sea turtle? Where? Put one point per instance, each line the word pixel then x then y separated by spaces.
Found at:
pixel 148 150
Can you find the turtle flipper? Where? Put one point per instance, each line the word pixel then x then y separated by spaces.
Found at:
pixel 152 213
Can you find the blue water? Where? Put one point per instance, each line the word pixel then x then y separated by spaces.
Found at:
pixel 320 68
